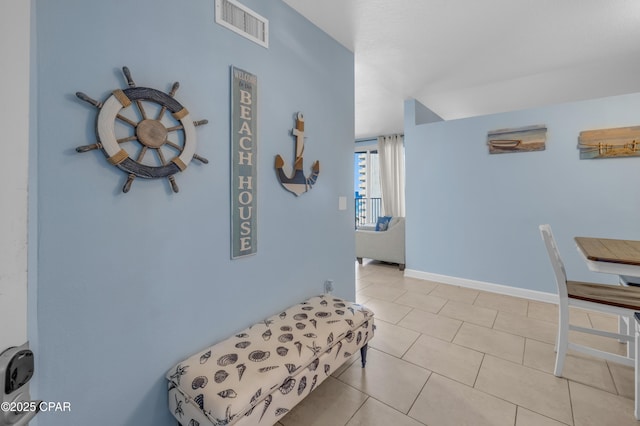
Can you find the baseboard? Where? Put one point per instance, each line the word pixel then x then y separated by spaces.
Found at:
pixel 539 296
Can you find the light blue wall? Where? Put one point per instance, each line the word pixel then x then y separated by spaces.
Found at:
pixel 473 215
pixel 129 284
pixel 422 114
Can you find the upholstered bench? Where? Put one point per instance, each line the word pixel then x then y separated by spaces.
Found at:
pixel 260 373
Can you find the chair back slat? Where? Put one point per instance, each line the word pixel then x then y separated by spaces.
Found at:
pixel 556 260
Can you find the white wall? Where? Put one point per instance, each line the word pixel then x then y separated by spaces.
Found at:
pixel 14 122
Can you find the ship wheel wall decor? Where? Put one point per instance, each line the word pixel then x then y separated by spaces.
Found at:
pixel 298 183
pixel 150 133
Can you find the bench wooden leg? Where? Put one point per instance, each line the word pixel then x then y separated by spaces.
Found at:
pixel 359 259
pixel 363 354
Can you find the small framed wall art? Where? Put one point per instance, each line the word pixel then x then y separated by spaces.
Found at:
pixel 610 143
pixel 521 139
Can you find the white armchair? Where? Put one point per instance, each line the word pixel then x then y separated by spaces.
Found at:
pixel 387 246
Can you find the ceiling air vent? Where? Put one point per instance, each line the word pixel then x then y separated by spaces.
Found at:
pixel 242 20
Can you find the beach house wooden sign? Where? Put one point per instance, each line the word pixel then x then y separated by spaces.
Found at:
pixel 244 156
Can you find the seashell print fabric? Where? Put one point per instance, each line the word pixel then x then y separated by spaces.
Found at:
pixel 270 366
pixel 271 411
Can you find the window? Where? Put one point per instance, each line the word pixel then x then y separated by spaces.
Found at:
pixel 366 182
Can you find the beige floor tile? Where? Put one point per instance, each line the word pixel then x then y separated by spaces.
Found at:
pixel 596 407
pixel 543 311
pixel 596 364
pixel 604 321
pixel 594 392
pixel 355 358
pixel 392 339
pixel 446 402
pixel 501 302
pixel 388 379
pixel 384 279
pixel 598 342
pixel 416 285
pixel 383 272
pixel 526 327
pixel 624 379
pixel 579 317
pixel 469 313
pixel 447 359
pixel 362 299
pixel 424 302
pixel 431 324
pixel 529 418
pixel 362 283
pixel 539 392
pixel 364 270
pixel 339 403
pixel 373 268
pixel 375 413
pixel 498 343
pixel 458 294
pixel 539 355
pixel 596 320
pixel 387 311
pixel 577 367
pixel 382 291
pixel 549 312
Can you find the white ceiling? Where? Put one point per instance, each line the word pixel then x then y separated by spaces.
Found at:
pixel 463 58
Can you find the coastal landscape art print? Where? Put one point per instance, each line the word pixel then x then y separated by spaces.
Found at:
pixel 521 139
pixel 610 143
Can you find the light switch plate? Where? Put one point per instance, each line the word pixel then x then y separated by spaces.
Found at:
pixel 342 203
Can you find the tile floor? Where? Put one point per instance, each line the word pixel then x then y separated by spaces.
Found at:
pixel 446 355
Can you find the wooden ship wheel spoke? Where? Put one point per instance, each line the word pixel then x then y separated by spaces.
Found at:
pixel 149 133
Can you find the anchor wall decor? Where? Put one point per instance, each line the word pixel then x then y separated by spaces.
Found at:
pixel 298 183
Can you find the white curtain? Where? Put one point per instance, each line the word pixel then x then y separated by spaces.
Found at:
pixel 391 157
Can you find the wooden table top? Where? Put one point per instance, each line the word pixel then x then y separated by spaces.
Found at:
pixel 609 250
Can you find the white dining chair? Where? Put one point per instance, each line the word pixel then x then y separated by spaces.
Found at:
pixel 623 301
pixel 625 325
pixel 611 299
